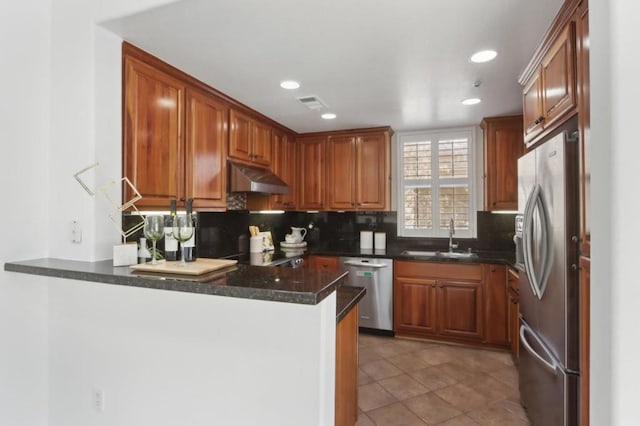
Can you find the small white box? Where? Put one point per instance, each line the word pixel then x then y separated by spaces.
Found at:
pixel 125 254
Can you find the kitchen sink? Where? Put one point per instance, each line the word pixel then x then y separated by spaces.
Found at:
pixel 451 254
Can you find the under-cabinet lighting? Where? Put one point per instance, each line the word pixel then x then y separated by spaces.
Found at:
pixel 484 56
pixel 506 212
pixel 328 116
pixel 268 211
pixel 471 101
pixel 290 85
pixel 313 211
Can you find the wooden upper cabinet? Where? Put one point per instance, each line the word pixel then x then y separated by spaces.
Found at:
pixel 249 140
pixel 358 171
pixel 311 162
pixel 373 171
pixel 503 145
pixel 153 149
pixel 549 94
pixel 285 166
pixel 341 173
pixel 206 141
pixel 532 107
pixel 558 77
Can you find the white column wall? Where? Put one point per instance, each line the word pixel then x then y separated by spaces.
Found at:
pixel 24 135
pixel 171 358
pixel 615 66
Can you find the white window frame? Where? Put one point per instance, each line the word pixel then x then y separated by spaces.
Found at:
pixel 435 135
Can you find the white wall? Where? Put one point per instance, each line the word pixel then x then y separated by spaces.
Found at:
pixel 24 119
pixel 615 67
pixel 170 358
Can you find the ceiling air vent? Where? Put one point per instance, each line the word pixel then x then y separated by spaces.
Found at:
pixel 312 102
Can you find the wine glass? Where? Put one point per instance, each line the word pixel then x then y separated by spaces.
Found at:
pixel 182 231
pixel 154 231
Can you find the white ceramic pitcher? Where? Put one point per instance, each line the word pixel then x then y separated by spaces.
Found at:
pixel 298 234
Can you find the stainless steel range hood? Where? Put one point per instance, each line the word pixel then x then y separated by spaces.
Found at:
pixel 244 178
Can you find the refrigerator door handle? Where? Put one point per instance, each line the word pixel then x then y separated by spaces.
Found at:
pixel 546 243
pixel 527 237
pixel 551 364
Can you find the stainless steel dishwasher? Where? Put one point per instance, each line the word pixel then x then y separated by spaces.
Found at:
pixel 376 275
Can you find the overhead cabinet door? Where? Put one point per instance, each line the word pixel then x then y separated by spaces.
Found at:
pixel 153 121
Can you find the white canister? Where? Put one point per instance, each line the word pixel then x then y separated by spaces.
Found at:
pixel 256 244
pixel 366 240
pixel 380 240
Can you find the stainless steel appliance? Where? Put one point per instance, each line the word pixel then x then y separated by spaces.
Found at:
pixel 549 361
pixel 376 275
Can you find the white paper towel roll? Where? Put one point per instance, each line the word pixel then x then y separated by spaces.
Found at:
pixel 380 240
pixel 366 240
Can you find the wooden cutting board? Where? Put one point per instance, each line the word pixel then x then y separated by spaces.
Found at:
pixel 199 267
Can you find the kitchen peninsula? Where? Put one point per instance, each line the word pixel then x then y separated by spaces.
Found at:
pixel 243 345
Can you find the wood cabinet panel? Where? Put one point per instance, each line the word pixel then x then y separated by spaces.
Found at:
pixel 503 145
pixel 558 77
pixel 346 398
pixel 240 135
pixel 513 312
pixel 262 143
pixel 584 123
pixel 460 309
pixel 249 139
pixel 415 305
pixel 311 165
pixel 153 151
pixel 326 263
pixel 372 172
pixel 496 295
pixel 206 140
pixel 441 300
pixel 549 94
pixel 341 173
pixel 532 107
pixel 285 165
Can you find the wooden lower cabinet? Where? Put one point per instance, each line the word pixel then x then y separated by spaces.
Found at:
pixel 347 370
pixel 451 301
pixel 327 263
pixel 513 312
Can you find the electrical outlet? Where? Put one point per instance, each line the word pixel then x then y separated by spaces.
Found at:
pixel 98 399
pixel 76 232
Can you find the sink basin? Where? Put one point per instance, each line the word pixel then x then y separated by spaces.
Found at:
pixel 451 254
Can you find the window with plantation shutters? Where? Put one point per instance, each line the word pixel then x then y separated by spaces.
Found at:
pixel 435 183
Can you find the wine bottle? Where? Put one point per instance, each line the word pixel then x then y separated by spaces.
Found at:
pixel 170 243
pixel 143 252
pixel 189 246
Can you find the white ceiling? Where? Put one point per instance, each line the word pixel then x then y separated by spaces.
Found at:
pixel 403 63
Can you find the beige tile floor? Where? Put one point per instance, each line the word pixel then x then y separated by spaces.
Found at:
pixel 407 382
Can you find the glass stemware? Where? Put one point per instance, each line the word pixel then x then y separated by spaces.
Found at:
pixel 182 231
pixel 154 231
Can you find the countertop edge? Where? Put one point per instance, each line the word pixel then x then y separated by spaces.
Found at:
pixel 347 298
pixel 182 285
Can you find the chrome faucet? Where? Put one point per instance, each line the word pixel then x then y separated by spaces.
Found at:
pixel 452 230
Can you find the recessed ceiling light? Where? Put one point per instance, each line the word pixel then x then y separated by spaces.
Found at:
pixel 289 84
pixel 471 101
pixel 484 56
pixel 328 116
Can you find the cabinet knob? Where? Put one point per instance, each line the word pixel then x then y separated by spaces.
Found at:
pixel 433 285
pixel 539 120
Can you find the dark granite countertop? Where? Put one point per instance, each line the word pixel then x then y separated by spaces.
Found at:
pixel 397 253
pixel 347 298
pixel 292 285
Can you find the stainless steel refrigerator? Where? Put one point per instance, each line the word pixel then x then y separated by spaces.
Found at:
pixel 548 204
